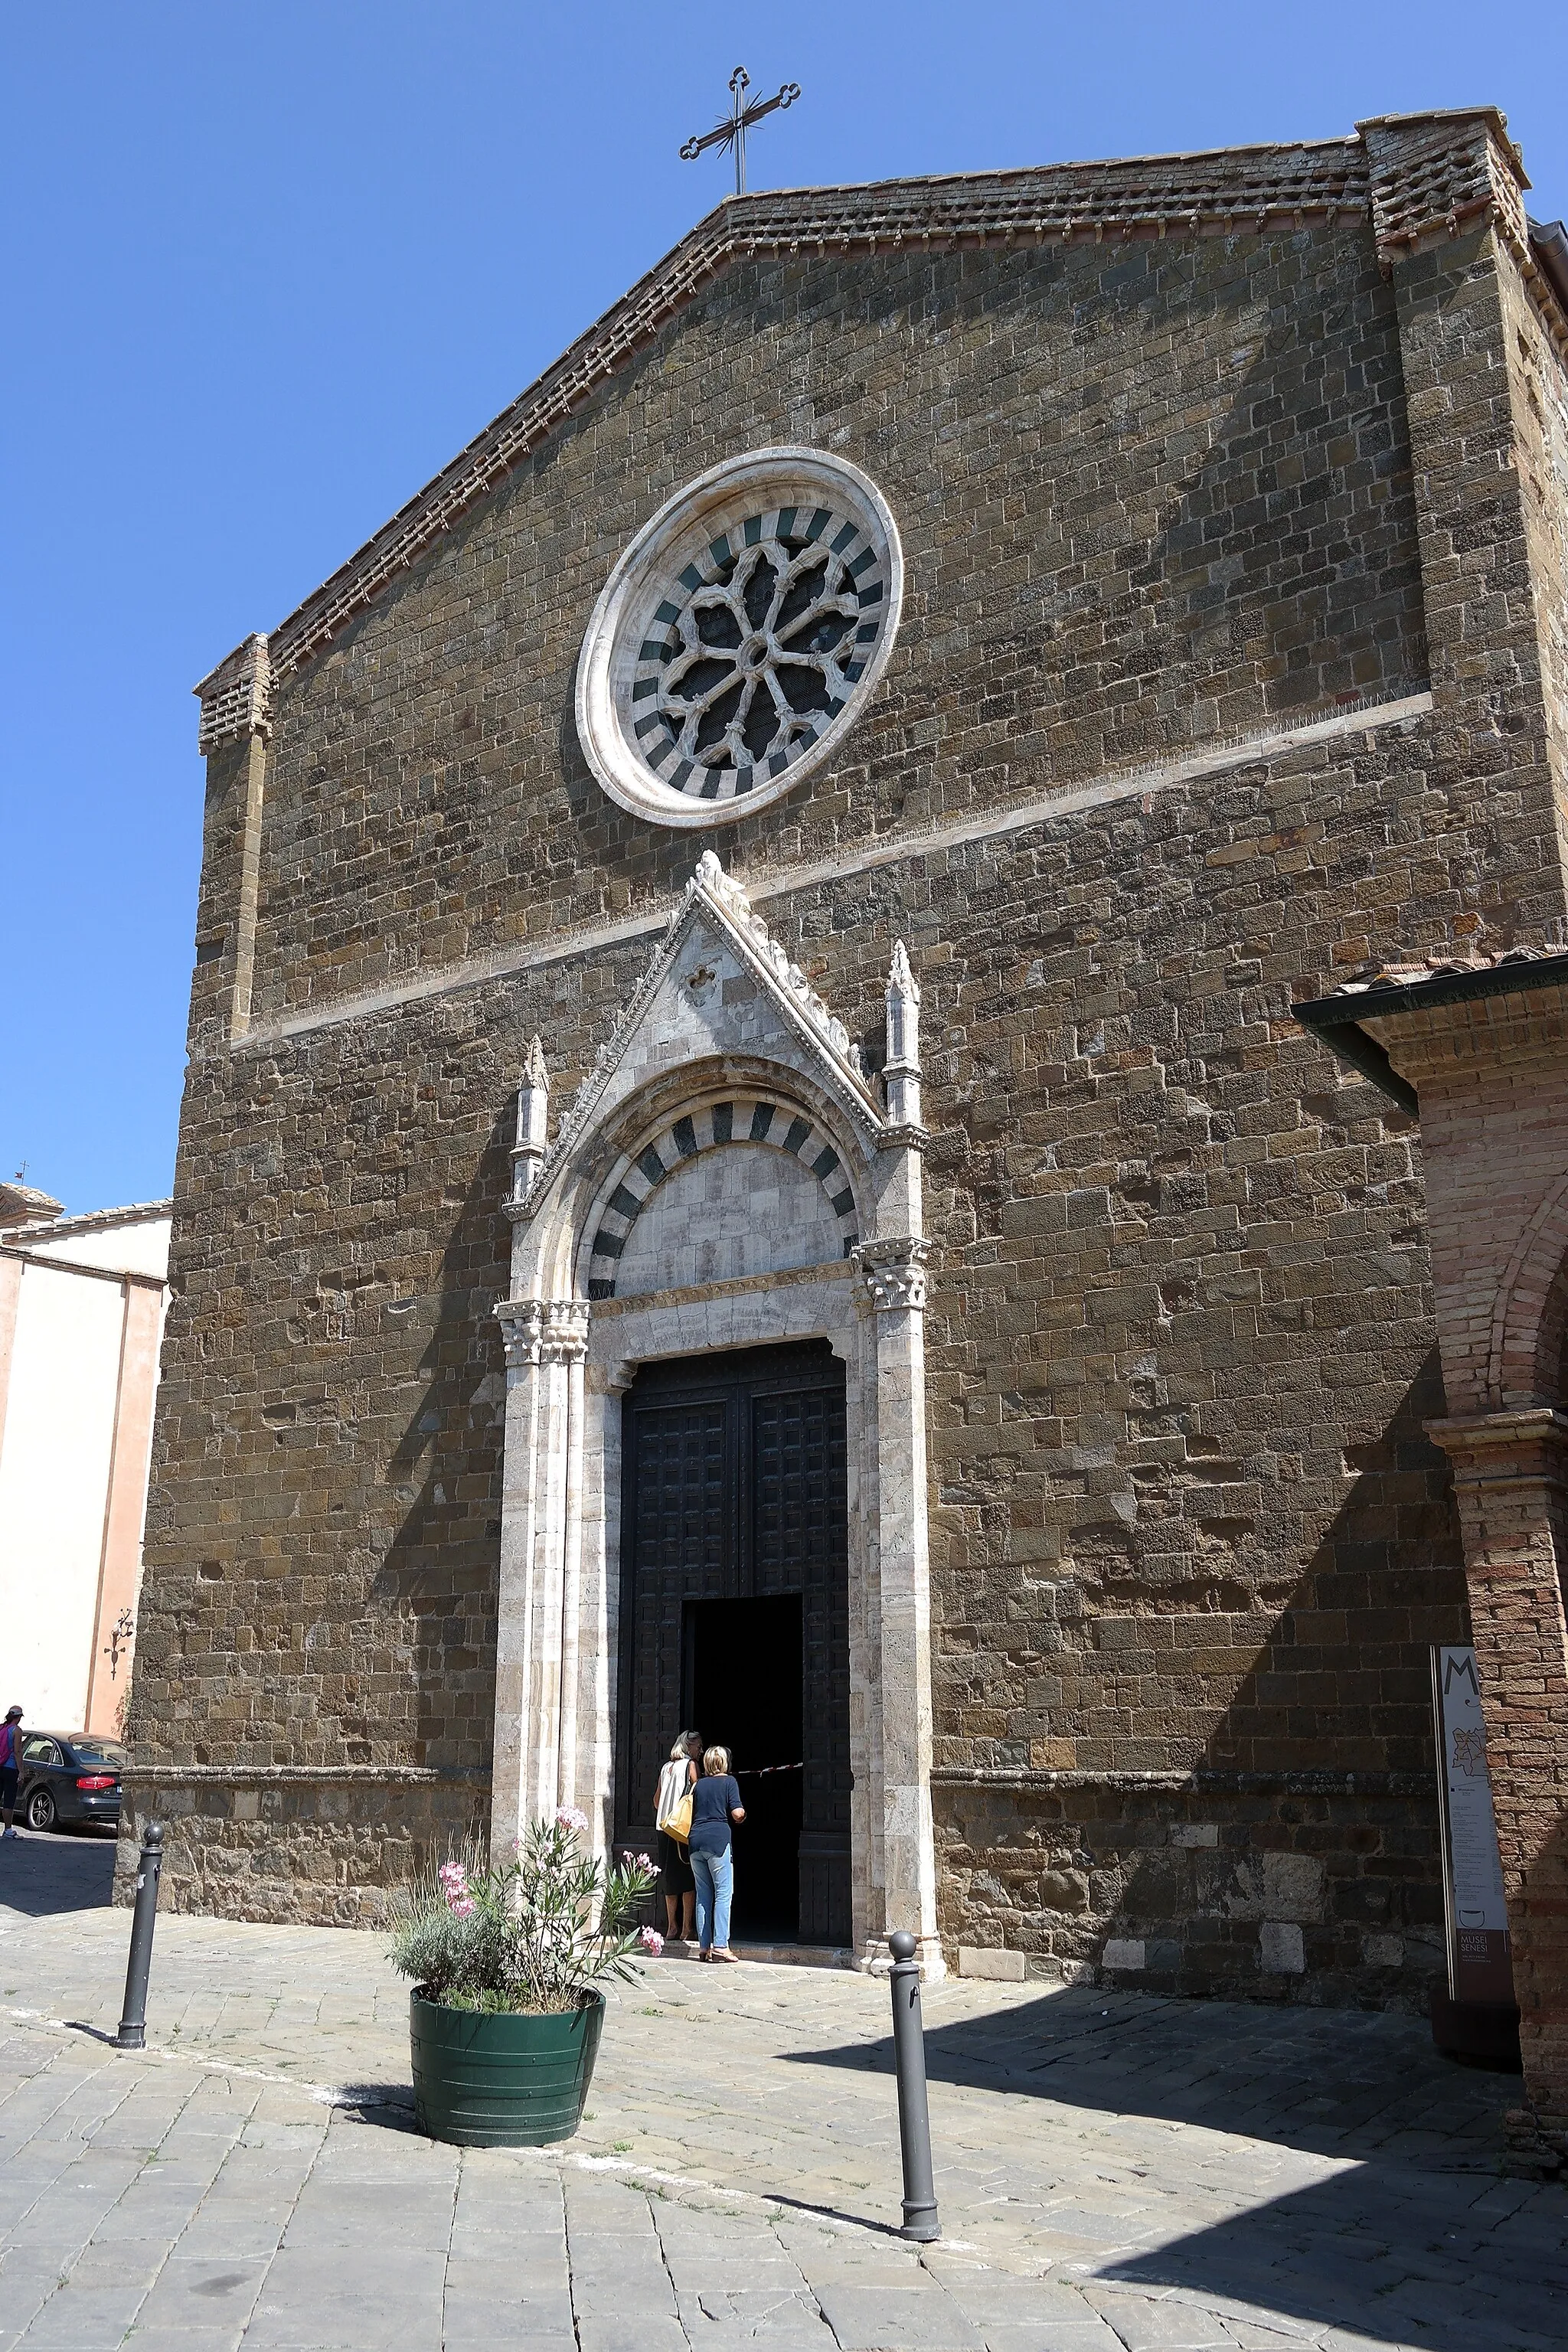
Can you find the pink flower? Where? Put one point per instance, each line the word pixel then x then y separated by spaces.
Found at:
pixel 651 1940
pixel 568 1817
pixel 645 1864
pixel 454 1880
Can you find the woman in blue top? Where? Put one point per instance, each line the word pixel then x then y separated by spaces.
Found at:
pixel 715 1803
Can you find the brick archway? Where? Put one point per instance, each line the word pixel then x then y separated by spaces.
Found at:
pixel 1530 1319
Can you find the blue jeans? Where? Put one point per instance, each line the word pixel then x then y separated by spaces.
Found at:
pixel 715 1877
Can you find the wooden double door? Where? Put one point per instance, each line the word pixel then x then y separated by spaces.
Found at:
pixel 735 1615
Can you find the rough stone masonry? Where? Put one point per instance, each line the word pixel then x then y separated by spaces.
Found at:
pixel 1230 495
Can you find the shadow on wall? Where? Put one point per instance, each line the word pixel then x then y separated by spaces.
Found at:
pixel 1539 1986
pixel 439 1576
pixel 1280 571
pixel 1293 1877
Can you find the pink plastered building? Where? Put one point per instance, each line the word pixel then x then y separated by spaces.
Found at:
pixel 81 1318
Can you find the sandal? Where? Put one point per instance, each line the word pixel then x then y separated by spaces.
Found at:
pixel 721 1952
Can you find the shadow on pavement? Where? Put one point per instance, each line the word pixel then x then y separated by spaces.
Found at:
pixel 1442 2260
pixel 389 2107
pixel 43 1874
pixel 1415 2240
pixel 1342 2083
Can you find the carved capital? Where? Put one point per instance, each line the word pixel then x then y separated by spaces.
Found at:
pixel 894 1273
pixel 521 1324
pixel 566 1331
pixel 542 1331
pixel 1505 1449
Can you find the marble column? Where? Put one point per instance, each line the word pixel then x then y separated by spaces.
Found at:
pixel 538 1603
pixel 893 1272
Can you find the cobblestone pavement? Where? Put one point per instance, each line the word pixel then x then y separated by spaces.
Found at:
pixel 1116 2173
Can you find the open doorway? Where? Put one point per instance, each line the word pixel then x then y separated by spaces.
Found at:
pixel 735 1616
pixel 743 1684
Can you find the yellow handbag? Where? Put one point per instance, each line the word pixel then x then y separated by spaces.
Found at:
pixel 674 1818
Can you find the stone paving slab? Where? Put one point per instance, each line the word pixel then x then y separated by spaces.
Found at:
pixel 1116 2173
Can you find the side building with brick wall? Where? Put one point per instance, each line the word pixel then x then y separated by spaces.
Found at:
pixel 882 1178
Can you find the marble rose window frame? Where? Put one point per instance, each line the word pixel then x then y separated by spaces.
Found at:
pixel 739 634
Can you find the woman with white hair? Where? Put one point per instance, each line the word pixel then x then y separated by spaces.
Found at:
pixel 715 1804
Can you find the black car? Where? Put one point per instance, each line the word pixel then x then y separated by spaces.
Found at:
pixel 68 1777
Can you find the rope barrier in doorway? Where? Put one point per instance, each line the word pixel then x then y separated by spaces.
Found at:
pixel 761 1771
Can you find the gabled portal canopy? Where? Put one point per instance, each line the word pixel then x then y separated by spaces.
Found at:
pixel 722 1009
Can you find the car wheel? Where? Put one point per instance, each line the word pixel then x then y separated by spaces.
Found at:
pixel 40 1810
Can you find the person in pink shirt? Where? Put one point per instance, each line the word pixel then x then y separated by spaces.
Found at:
pixel 10 1757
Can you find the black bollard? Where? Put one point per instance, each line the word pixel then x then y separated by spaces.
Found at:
pixel 914 2120
pixel 132 2033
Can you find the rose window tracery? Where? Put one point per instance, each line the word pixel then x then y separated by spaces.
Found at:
pixel 776 624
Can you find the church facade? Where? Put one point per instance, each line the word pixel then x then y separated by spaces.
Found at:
pixel 748 1155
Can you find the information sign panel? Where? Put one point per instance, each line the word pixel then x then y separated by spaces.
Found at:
pixel 1479 1969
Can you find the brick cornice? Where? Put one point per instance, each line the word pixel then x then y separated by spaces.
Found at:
pixel 1419 178
pixel 236 697
pixel 1231 192
pixel 1435 176
pixel 1490 1449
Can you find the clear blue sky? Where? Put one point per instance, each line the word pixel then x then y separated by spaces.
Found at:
pixel 267 269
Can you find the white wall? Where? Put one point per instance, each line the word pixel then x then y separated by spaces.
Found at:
pixel 57 1405
pixel 55 1453
pixel 139 1248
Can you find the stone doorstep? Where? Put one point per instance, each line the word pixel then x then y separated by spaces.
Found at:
pixel 774 1955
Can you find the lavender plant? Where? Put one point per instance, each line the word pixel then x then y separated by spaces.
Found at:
pixel 531 1934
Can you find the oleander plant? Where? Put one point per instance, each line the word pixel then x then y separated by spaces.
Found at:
pixel 534 1936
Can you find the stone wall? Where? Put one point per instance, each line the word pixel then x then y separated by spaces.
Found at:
pixel 1146 498
pixel 1179 1354
pixel 1539 369
pixel 328 1849
pixel 1284 1884
pixel 1179 1337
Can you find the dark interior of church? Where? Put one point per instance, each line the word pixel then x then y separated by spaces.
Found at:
pixel 742 1688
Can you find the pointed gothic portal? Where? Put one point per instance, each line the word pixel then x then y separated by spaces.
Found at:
pixel 726 1181
pixel 735 1616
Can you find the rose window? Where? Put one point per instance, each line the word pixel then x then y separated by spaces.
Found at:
pixel 735 635
pixel 775 631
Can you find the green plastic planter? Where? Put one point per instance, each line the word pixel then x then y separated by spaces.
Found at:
pixel 502 2081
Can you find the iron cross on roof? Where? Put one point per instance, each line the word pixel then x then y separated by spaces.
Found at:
pixel 730 129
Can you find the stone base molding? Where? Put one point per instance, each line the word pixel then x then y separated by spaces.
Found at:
pixel 323 1846
pixel 1510 1476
